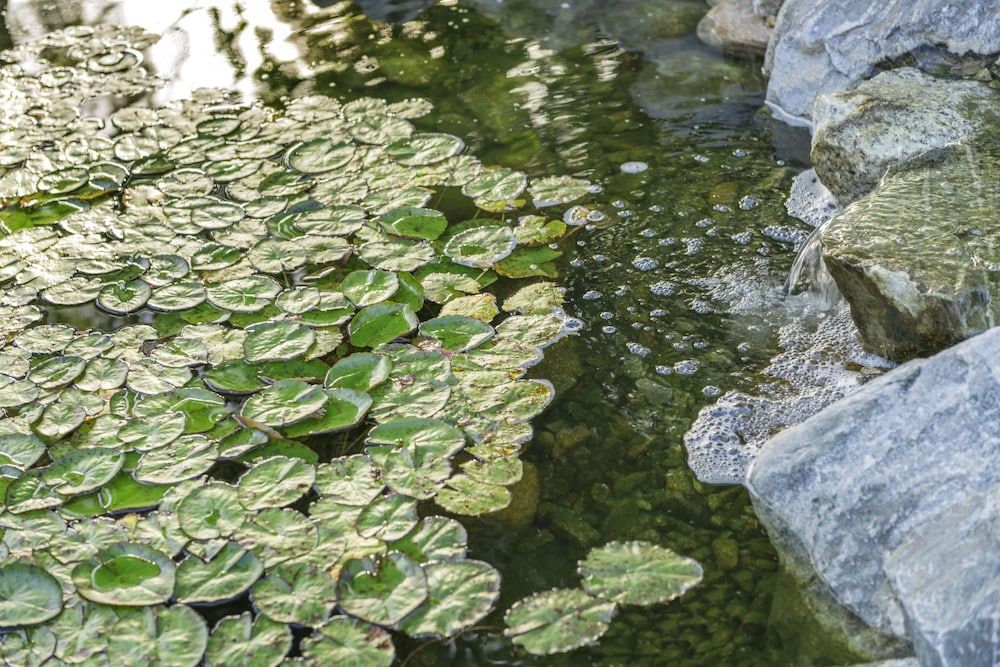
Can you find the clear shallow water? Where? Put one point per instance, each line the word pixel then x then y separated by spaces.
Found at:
pixel 679 285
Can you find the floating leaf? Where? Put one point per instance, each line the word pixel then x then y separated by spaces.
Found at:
pixel 481 247
pixel 388 517
pixel 230 573
pixel 28 594
pixel 460 594
pixel 425 148
pixel 457 333
pixel 360 371
pixel 295 593
pixel 553 190
pixel 365 288
pixel 558 620
pixel 483 307
pixel 350 480
pixel 57 371
pixel 344 409
pixel 122 298
pixel 210 512
pixel 20 450
pixel 637 573
pixel 187 457
pixel 346 642
pixel 411 471
pixel 436 538
pixel 319 155
pixel 528 262
pixel 126 574
pixel 248 641
pixel 277 535
pixel 432 435
pixel 243 295
pixel 275 482
pixel 382 590
pixel 471 497
pixel 173 636
pixel 381 323
pixel 284 403
pixel 496 185
pixel 270 341
pixel 177 297
pixel 83 471
pixel 234 377
pixel 414 223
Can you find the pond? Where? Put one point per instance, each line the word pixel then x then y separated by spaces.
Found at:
pixel 675 277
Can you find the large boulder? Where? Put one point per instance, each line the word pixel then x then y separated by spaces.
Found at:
pixel 892 118
pixel 891 495
pixel 831 46
pixel 732 25
pixel 918 258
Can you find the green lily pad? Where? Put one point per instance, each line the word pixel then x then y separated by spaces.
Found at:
pixel 275 482
pixel 173 636
pixel 558 620
pixel 278 256
pixel 457 333
pixel 285 403
pixel 381 323
pixel 214 256
pixel 278 535
pixel 295 593
pixel 414 223
pixel 30 492
pixel 82 631
pixel 102 374
pixel 177 297
pixel 553 190
pixel 20 450
pixel 243 295
pixel 28 595
pixel 382 590
pixel 539 230
pixel 45 339
pixel 472 497
pixel 122 298
pixel 637 573
pixel 350 480
pixel 365 288
pixel 347 642
pixel 57 372
pixel 496 185
pixel 411 471
pixel 388 517
pixel 230 573
pixel 298 300
pixel 529 262
pixel 481 247
pixel 483 307
pixel 277 341
pixel 210 512
pixel 188 457
pixel 126 574
pixel 332 221
pixel 319 155
pixel 83 471
pixel 435 538
pixel 248 641
pixel 146 376
pixel 460 594
pixel 234 377
pixel 425 148
pixel 397 254
pixel 120 494
pixel 438 438
pixel 360 371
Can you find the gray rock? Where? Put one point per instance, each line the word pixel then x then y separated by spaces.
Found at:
pixel 890 119
pixel 918 259
pixel 947 577
pixel 898 662
pixel 767 7
pixel 732 26
pixel 862 492
pixel 831 46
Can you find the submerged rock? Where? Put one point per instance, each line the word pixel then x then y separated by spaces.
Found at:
pixel 732 26
pixel 891 497
pixel 827 47
pixel 918 259
pixel 890 119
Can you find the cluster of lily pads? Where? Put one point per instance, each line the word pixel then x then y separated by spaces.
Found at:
pixel 302 363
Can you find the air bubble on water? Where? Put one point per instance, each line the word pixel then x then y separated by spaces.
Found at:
pixel 575 263
pixel 592 295
pixel 749 202
pixel 609 329
pixel 606 315
pixel 701 158
pixel 743 238
pixel 680 346
pixel 637 349
pixel 622 290
pixel 704 222
pixel 637 325
pixel 648 233
pixel 645 263
pixel 595 189
pixel 668 241
pixel 739 152
pixel 600 258
pixel 657 312
pixel 786 234
pixel 694 246
pixel 744 347
pixel 581 243
pixel 633 167
pixel 686 367
pixel 711 391
pixel 573 324
pixel 722 208
pixel 596 216
pixel 663 288
pixel 656 208
pixel 664 370
pixel 700 345
pixel 618 203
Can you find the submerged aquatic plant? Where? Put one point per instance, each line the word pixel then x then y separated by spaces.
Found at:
pixel 301 351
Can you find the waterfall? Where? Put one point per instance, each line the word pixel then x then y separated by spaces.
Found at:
pixel 812 203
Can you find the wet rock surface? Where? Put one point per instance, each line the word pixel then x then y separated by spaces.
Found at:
pixel 890 497
pixel 889 119
pixel 918 258
pixel 824 47
pixel 733 26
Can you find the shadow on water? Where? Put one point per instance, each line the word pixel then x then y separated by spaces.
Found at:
pixel 679 285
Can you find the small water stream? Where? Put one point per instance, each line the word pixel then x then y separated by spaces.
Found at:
pixel 679 282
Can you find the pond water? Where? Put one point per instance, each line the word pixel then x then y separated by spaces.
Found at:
pixel 678 279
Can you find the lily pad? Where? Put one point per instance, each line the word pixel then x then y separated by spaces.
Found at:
pixel 285 403
pixel 481 247
pixel 360 371
pixel 83 471
pixel 275 482
pixel 210 512
pixel 28 595
pixel 124 297
pixel 230 573
pixel 173 636
pixel 319 155
pixel 347 642
pixel 457 333
pixel 438 438
pixel 243 295
pixel 381 323
pixel 425 148
pixel 20 450
pixel 295 593
pixel 234 377
pixel 460 594
pixel 278 535
pixel 637 573
pixel 472 497
pixel 248 641
pixel 558 620
pixel 382 590
pixel 277 341
pixel 126 574
pixel 436 538
pixel 414 223
pixel 350 480
pixel 365 288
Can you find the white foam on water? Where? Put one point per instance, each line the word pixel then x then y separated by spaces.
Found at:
pixel 821 361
